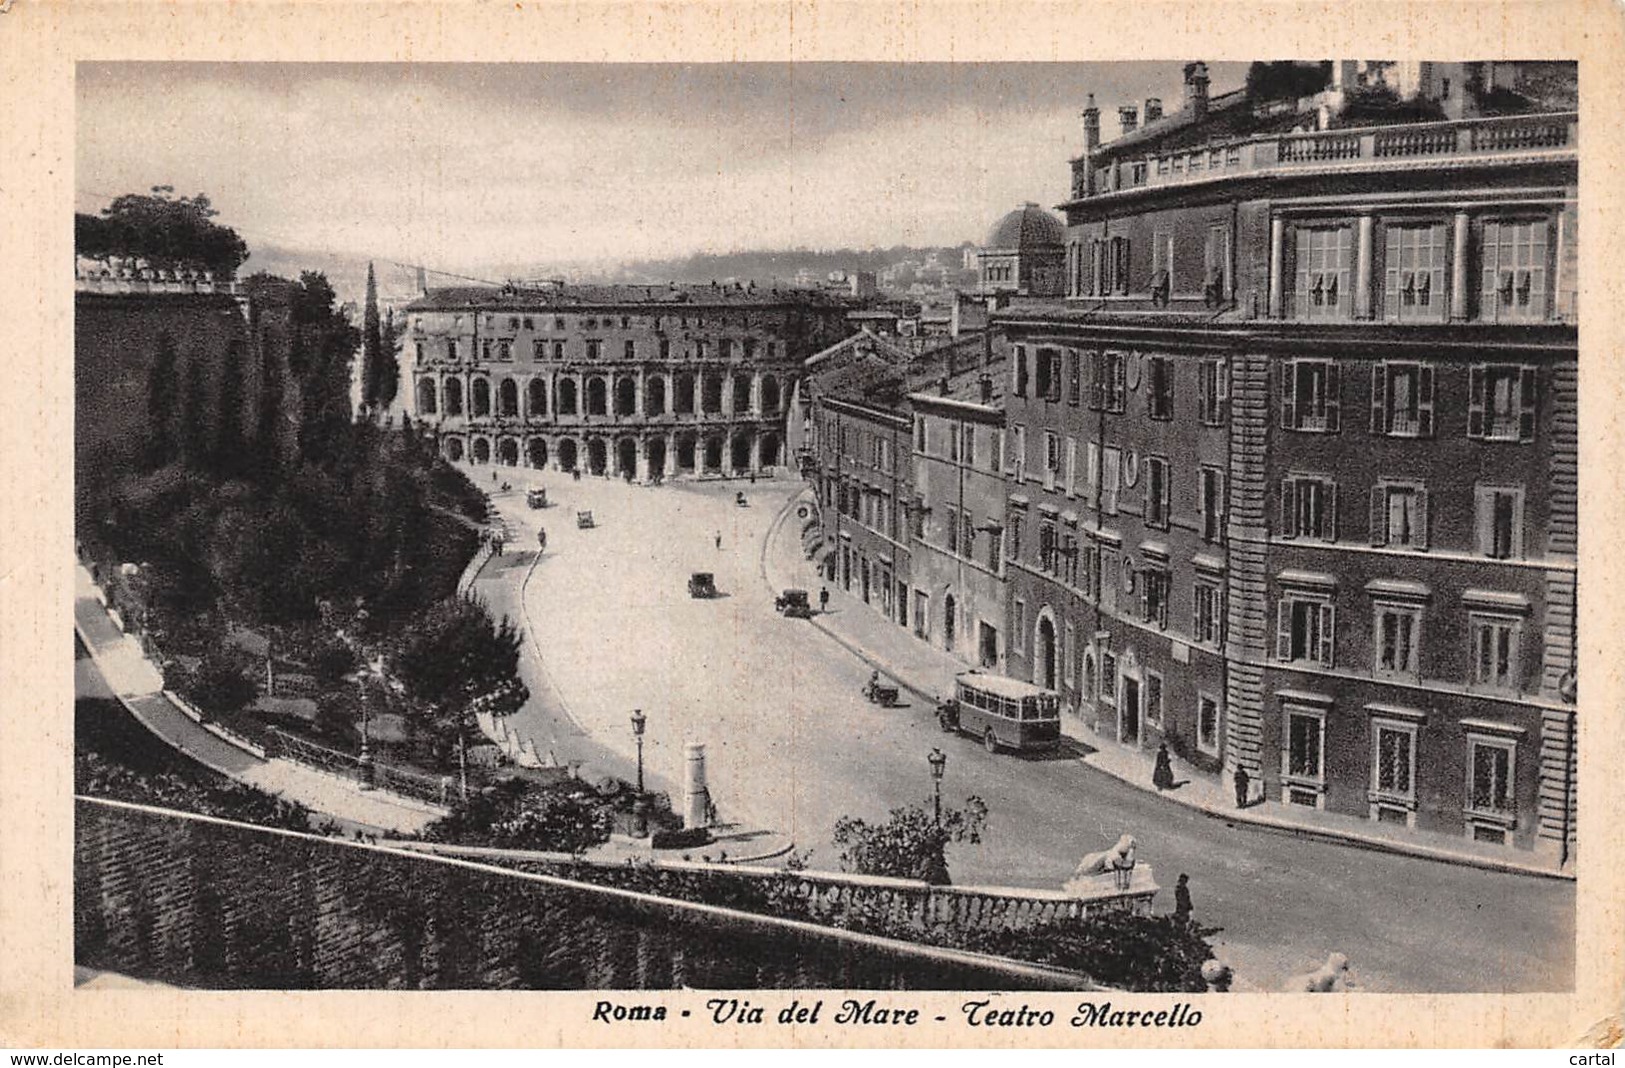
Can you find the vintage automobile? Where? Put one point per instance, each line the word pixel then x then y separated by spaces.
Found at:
pixel 584 519
pixel 702 584
pixel 536 498
pixel 877 691
pixel 1004 713
pixel 794 604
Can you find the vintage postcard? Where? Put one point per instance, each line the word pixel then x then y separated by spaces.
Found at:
pixel 1002 525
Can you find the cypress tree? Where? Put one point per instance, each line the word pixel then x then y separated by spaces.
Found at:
pixel 372 346
pixel 389 364
pixel 162 393
pixel 195 414
pixel 229 441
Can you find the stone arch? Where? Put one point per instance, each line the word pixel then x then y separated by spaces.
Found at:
pixel 536 452
pixel 536 398
pixel 427 397
pixel 711 394
pixel 654 396
pixel 739 451
pixel 597 456
pixel 654 452
pixel 508 398
pixel 626 395
pixel 713 453
pixel 508 452
pixel 768 449
pixel 626 458
pixel 687 451
pixel 479 398
pixel 454 396
pixel 1089 674
pixel 1045 650
pixel 481 450
pixel 741 392
pixel 567 454
pixel 452 448
pixel 770 395
pixel 565 401
pixel 597 396
pixel 683 395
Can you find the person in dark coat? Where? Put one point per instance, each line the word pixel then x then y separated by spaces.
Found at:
pixel 1182 898
pixel 1163 777
pixel 823 598
pixel 1243 786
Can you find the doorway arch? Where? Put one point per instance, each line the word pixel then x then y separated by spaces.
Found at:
pixel 1044 650
pixel 482 451
pixel 567 454
pixel 597 456
pixel 536 402
pixel 453 449
pixel 536 452
pixel 626 458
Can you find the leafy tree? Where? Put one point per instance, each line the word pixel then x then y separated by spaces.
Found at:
pixel 231 443
pixel 389 364
pixel 194 414
pixel 455 662
pixel 322 347
pixel 520 814
pixel 165 231
pixel 219 686
pixel 911 844
pixel 1286 80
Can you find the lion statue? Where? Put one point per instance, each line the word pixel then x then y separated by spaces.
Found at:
pixel 1332 976
pixel 1119 857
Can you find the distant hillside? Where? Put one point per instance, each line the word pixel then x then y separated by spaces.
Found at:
pixel 782 265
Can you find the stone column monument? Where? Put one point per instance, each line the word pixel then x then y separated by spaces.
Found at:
pixel 696 799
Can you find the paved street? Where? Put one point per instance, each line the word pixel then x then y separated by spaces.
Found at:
pixel 792 746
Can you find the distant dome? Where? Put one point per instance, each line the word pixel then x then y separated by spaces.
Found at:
pixel 1029 226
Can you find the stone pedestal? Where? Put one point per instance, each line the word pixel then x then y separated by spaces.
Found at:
pixel 696 798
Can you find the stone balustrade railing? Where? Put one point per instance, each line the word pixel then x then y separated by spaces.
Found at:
pixel 835 896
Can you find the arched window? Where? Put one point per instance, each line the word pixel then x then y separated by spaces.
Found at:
pixel 454 396
pixel 565 401
pixel 770 394
pixel 626 396
pixel 508 398
pixel 480 399
pixel 426 397
pixel 536 402
pixel 596 397
pixel 654 396
pixel 741 393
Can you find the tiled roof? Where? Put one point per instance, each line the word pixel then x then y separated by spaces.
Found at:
pixel 520 298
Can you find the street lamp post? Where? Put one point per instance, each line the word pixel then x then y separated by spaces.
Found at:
pixel 939 764
pixel 640 806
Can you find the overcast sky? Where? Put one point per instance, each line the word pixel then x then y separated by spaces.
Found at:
pixel 465 167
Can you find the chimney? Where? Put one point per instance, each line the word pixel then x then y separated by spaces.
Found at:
pixel 1091 125
pixel 1129 116
pixel 423 282
pixel 1153 109
pixel 1196 90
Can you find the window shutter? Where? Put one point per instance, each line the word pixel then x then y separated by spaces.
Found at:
pixel 1484 520
pixel 1219 500
pixel 1379 398
pixel 1206 381
pixel 1489 272
pixel 1328 635
pixel 1167 493
pixel 1283 630
pixel 1147 502
pixel 1334 396
pixel 1379 515
pixel 1424 401
pixel 1289 401
pixel 1391 263
pixel 1202 478
pixel 1421 519
pixel 1071 466
pixel 1196 618
pixel 1222 369
pixel 1331 502
pixel 1289 526
pixel 1526 394
pixel 1475 402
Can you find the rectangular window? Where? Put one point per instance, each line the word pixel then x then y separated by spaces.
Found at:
pixel 1396 635
pixel 1018 452
pixel 1211 503
pixel 631 349
pixel 451 350
pixel 1111 477
pixel 1490 766
pixel 1499 515
pixel 1153 699
pixel 1402 400
pixel 995 547
pixel 1414 288
pixel 950 520
pixel 1067 653
pixel 967 543
pixel 595 349
pixel 538 349
pixel 1306 631
pixel 1074 376
pixel 968 450
pixel 1071 466
pixel 1495 651
pixel 1020 623
pixel 1046 547
pixel 1207 722
pixel 1119 265
pixel 1069 559
pixel 1311 396
pixel 922 614
pixel 1160 395
pixel 1052 453
pixel 1321 283
pixel 1154 589
pixel 1207 613
pixel 1015 537
pixel 1109 579
pixel 1308 507
pixel 1501 402
pixel 1393 758
pixel 1216 266
pixel 665 348
pixel 953 440
pixel 1107 381
pixel 1304 737
pixel 1399 515
pixel 1512 270
pixel 558 324
pixel 1162 266
pixel 1108 679
pixel 1092 472
pixel 505 350
pixel 1213 392
pixel 995 455
pixel 1157 491
pixel 1018 371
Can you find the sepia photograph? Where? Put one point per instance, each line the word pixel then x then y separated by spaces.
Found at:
pixel 1085 526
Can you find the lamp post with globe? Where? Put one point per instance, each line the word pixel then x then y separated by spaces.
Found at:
pixel 640 806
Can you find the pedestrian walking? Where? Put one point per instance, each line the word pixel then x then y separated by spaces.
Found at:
pixel 823 598
pixel 753 478
pixel 493 476
pixel 1182 898
pixel 541 540
pixel 719 541
pixel 1243 786
pixel 1163 776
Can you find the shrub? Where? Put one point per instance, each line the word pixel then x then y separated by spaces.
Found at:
pixel 911 844
pixel 683 839
pixel 521 814
pixel 219 686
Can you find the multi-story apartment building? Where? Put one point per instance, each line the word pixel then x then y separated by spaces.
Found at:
pixel 636 381
pixel 1294 460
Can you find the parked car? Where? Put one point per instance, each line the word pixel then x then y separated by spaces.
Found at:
pixel 702 584
pixel 584 519
pixel 536 498
pixel 794 604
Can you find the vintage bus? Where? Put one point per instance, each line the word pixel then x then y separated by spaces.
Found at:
pixel 1003 713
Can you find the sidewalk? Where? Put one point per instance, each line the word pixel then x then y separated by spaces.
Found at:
pixel 137 684
pixel 929 673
